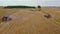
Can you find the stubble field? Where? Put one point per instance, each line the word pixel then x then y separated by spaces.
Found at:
pixel 30 21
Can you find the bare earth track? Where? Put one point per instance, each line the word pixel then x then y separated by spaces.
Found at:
pixel 26 21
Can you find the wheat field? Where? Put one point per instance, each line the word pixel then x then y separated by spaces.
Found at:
pixel 30 21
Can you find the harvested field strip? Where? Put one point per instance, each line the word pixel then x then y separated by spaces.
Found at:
pixel 30 23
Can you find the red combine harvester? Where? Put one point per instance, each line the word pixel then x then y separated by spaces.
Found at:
pixel 5 18
pixel 47 15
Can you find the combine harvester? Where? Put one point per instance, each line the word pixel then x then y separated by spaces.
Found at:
pixel 47 16
pixel 5 18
